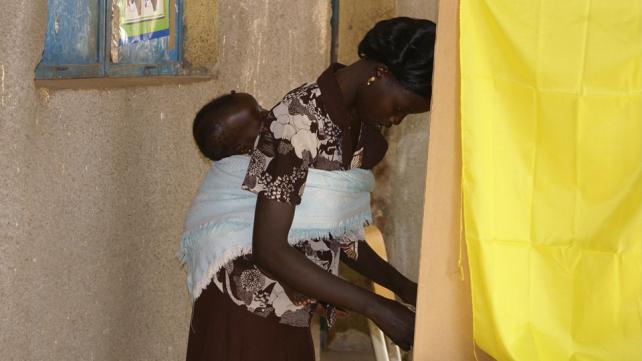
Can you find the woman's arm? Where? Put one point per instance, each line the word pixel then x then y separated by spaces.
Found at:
pixel 272 253
pixel 373 267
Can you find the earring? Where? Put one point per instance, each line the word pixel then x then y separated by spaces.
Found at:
pixel 371 80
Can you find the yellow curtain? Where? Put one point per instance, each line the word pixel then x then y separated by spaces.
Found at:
pixel 551 111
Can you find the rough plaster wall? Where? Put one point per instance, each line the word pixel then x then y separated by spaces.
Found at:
pixel 95 183
pixel 399 193
pixel 426 9
pixel 356 17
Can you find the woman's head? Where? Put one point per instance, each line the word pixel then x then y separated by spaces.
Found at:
pixel 401 51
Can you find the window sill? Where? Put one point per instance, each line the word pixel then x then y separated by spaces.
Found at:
pixel 119 82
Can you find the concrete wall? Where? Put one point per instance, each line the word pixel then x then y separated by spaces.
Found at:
pixel 356 17
pixel 95 183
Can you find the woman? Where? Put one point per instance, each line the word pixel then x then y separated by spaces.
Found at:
pixel 332 124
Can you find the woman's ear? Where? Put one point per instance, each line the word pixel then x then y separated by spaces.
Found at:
pixel 381 70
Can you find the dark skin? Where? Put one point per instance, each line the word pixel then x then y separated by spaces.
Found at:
pixel 375 268
pixel 383 103
pixel 242 121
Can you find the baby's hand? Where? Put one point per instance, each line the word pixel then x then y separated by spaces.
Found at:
pixel 297 297
pixel 340 313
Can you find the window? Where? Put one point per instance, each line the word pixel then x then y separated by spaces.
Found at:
pixel 112 39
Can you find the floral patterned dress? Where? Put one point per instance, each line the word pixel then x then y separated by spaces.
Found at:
pixel 310 127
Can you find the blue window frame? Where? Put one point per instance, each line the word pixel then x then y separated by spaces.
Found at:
pixel 85 40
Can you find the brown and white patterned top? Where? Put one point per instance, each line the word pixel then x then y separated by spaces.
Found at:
pixel 309 128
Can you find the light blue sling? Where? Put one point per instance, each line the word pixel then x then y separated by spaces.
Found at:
pixel 219 223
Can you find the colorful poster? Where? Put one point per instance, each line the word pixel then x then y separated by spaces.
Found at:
pixel 142 20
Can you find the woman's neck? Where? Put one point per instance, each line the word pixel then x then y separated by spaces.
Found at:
pixel 352 77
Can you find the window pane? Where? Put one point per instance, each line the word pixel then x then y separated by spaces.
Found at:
pixel 146 52
pixel 142 31
pixel 72 32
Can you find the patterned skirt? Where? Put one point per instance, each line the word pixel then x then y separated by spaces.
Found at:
pixel 223 331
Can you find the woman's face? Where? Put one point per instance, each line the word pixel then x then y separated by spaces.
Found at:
pixel 386 102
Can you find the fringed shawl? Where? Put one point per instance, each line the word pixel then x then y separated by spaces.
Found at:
pixel 220 221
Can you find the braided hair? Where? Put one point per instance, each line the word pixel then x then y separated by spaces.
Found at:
pixel 406 47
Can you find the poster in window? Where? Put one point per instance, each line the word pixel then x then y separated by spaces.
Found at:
pixel 142 20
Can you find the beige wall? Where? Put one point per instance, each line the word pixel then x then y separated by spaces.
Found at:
pixel 418 9
pixel 356 17
pixel 95 183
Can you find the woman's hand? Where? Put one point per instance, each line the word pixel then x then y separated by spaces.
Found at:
pixel 395 320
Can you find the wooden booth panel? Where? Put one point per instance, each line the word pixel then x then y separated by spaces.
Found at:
pixel 444 320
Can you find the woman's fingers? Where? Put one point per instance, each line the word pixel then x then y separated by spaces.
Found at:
pixel 303 302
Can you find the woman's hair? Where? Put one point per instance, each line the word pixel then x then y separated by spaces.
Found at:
pixel 406 47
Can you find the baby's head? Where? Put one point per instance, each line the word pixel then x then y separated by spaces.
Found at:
pixel 227 125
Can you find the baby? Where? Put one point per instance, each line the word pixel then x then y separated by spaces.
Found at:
pixel 227 126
